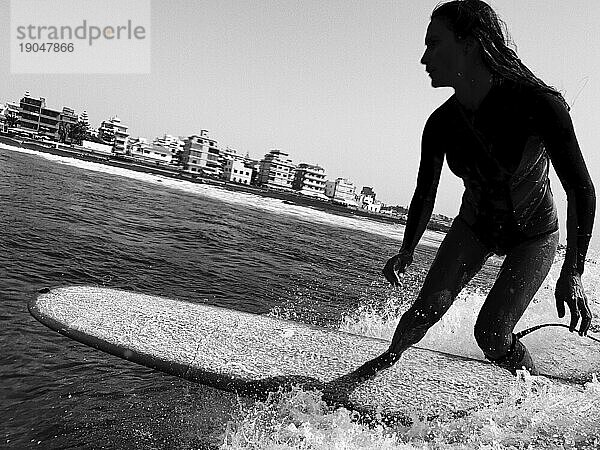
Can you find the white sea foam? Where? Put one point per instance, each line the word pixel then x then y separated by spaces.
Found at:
pixel 536 414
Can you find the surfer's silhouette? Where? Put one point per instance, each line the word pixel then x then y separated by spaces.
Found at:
pixel 498 132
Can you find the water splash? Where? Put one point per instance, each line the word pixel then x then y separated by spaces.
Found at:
pixel 454 333
pixel 536 414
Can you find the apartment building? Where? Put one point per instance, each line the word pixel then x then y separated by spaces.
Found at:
pixel 201 155
pixel 276 170
pixel 114 132
pixel 141 150
pixel 309 180
pixel 68 116
pixel 171 142
pixel 236 170
pixel 366 200
pixel 341 191
pixel 67 120
pixel 38 119
pixel 367 196
pixel 95 147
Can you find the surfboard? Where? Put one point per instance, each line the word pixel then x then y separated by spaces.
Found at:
pixel 254 354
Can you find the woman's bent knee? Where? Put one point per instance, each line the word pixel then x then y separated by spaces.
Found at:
pixel 493 342
pixel 516 358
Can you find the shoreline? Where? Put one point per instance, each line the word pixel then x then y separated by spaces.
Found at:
pixel 177 173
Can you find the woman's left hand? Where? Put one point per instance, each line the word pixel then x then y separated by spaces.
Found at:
pixel 569 290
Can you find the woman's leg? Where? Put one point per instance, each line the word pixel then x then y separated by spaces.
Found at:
pixel 458 259
pixel 522 273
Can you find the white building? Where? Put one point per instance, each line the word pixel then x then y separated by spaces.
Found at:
pixel 372 207
pixel 276 170
pixel 229 153
pixel 366 200
pixel 171 142
pixel 141 150
pixel 341 191
pixel 95 147
pixel 235 170
pixel 115 133
pixel 310 180
pixel 201 155
pixel 366 197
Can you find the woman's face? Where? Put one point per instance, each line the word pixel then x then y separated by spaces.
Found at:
pixel 445 56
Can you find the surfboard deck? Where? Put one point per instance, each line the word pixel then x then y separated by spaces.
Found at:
pixel 252 354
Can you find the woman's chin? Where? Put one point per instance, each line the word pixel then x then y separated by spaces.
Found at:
pixel 438 83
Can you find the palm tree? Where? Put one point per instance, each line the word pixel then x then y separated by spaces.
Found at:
pixel 64 131
pixel 78 132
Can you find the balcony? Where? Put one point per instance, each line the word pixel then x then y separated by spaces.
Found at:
pixel 31 101
pixel 315 177
pixel 49 122
pixel 29 118
pixel 51 115
pixel 30 108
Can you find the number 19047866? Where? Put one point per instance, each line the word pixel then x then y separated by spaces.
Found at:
pixel 46 47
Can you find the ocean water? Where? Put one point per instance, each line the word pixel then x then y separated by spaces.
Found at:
pixel 68 222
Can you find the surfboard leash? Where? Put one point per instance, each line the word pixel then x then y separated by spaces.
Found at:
pixel 520 334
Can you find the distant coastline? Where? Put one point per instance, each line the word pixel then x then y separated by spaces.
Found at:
pixel 177 173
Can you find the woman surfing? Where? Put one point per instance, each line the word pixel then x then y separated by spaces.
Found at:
pixel 499 133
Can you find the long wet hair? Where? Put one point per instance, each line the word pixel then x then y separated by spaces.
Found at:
pixel 477 19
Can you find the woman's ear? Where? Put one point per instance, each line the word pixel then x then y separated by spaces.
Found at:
pixel 471 45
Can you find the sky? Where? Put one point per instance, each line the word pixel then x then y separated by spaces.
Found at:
pixel 336 83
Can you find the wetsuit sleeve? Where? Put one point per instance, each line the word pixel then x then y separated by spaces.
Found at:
pixel 557 131
pixel 421 205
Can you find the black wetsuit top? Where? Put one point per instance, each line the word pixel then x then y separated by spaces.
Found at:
pixel 502 153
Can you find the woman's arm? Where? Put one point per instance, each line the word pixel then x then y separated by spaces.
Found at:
pixel 561 143
pixel 423 200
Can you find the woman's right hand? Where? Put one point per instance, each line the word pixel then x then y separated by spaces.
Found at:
pixel 396 265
